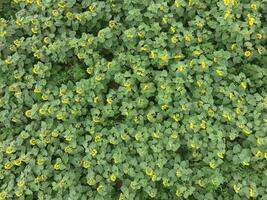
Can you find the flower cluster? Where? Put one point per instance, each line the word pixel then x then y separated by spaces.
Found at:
pixel 130 99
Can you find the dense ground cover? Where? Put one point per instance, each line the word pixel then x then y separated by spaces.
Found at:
pixel 133 99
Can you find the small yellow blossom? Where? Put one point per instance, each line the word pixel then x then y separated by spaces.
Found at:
pixel 212 164
pixel 258 153
pixel 93 152
pixel 203 125
pixel 20 183
pixel 172 29
pixel 258 36
pixel 98 78
pixel 187 37
pixel 251 192
pixel 220 155
pixel 259 141
pixel 243 85
pixel 236 188
pixel 149 171
pixel 28 113
pixel 32 141
pixel 59 116
pixel 8 165
pixel 180 68
pixel 56 166
pixel 219 72
pixel 17 162
pixel 34 30
pixel 112 177
pixel 10 150
pixel 191 125
pixel 253 6
pixel 227 14
pixel 44 97
pixel 177 193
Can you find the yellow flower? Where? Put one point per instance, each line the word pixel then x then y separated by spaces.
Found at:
pixel 175 118
pixel 247 131
pixel 112 177
pixel 149 171
pixel 174 40
pixel 243 85
pixel 219 72
pixel 28 113
pixel 164 107
pixel 187 37
pixel 100 188
pixel 86 164
pixel 236 188
pixel 19 193
pixel 172 29
pixel 68 149
pixel 3 195
pixel 226 2
pixel 203 65
pixel 265 155
pixel 44 97
pixel 251 192
pixel 191 125
pixel 42 111
pixel 111 24
pixel 200 183
pixel 238 111
pixel 59 116
pixel 98 78
pixel 140 34
pixel 17 162
pixel 258 153
pixel 61 5
pixel 34 30
pixel 109 100
pixel 251 20
pixel 40 161
pixel 8 165
pixel 93 152
pixel 98 138
pixel 32 141
pixel 20 183
pixel 184 108
pixel 180 68
pixel 203 125
pixel 227 14
pixel 46 40
pixel 177 193
pixel 8 61
pixel 56 166
pixel 18 22
pixel 220 155
pixel 10 150
pixel 253 6
pixel 174 135
pixel 92 8
pixel 212 164
pixel 258 36
pixel 259 141
pixel 164 20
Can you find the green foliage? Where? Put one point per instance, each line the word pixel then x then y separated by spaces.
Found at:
pixel 133 99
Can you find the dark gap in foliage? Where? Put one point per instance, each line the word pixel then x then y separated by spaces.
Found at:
pixel 182 151
pixel 118 184
pixel 113 85
pixel 107 54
